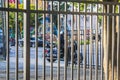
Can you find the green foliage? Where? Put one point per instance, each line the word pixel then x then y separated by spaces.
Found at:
pixel 81 6
pixel 12 5
pixel 100 19
pixel 20 18
pixel 82 42
pixel 32 15
pixel 20 6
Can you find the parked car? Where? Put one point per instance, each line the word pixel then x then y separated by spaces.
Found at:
pixel 12 41
pixel 20 42
pixel 32 42
pixel 88 35
pixel 1 41
pixel 1 46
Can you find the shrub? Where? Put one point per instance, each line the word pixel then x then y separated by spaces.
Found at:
pixel 82 42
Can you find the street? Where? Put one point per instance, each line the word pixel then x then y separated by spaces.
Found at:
pixel 40 63
pixel 40 52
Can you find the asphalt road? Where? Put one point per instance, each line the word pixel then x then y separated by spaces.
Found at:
pixel 40 58
pixel 40 63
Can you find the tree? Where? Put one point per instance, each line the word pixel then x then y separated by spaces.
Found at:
pixel 20 18
pixel 108 65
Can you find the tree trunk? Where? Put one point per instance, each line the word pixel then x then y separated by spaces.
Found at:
pixel 108 45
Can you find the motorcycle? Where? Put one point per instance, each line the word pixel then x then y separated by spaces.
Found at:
pixel 55 52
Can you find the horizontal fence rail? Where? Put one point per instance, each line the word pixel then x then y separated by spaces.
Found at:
pixel 59 40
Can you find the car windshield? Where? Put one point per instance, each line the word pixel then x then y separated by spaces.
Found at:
pixel 32 38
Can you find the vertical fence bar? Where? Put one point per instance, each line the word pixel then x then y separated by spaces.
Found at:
pixel 51 42
pixel 58 25
pixel 90 67
pixel 99 48
pixel 102 43
pixel 96 39
pixel 78 46
pixel 26 40
pixel 27 48
pixel 36 41
pixel 44 28
pixel 65 41
pixel 4 28
pixel 16 40
pixel 7 42
pixel 113 40
pixel 72 42
pixel 118 44
pixel 107 42
pixel 84 66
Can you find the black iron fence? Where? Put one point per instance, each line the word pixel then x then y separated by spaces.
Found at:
pixel 78 56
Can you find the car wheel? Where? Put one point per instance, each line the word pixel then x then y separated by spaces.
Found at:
pixel 1 50
pixel 93 37
pixel 62 55
pixel 20 45
pixel 99 37
pixel 50 60
pixel 81 57
pixel 33 45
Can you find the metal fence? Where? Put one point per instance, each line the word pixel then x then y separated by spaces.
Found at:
pixel 81 22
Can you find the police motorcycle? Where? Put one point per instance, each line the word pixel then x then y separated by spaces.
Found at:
pixel 48 53
pixel 55 51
